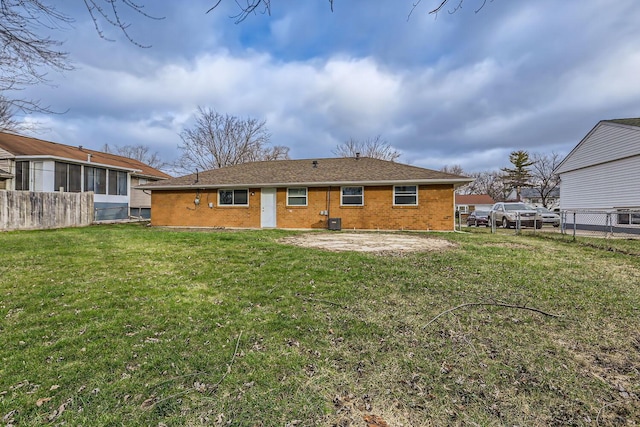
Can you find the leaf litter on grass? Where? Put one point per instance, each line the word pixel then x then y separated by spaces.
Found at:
pixel 320 325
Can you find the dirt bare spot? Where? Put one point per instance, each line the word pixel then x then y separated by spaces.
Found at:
pixel 369 242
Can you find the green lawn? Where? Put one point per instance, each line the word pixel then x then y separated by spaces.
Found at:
pixel 131 325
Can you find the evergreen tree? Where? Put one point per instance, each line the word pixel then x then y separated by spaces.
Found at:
pixel 519 176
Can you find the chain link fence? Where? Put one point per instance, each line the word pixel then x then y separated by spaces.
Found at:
pixel 620 223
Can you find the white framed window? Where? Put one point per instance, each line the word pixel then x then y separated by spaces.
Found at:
pixel 68 176
pixel 95 179
pixel 238 197
pixel 297 196
pixel 405 195
pixel 22 175
pixel 117 183
pixel 628 217
pixel 352 196
pixel 463 209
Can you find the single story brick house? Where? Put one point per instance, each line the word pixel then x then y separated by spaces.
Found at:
pixel 467 203
pixel 336 193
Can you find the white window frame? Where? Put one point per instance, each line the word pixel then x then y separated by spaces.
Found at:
pixel 342 195
pixel 233 197
pixel 463 209
pixel 305 197
pixel 632 217
pixel 395 193
pixel 118 179
pixel 25 178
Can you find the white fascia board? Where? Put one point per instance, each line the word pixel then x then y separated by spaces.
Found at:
pixel 146 175
pixel 76 161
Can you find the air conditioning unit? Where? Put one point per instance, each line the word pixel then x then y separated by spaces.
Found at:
pixel 335 224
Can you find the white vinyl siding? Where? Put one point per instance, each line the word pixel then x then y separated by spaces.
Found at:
pixel 603 186
pixel 139 199
pixel 607 142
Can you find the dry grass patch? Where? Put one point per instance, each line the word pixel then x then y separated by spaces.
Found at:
pixel 369 242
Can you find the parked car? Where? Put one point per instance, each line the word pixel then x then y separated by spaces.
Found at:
pixel 549 217
pixel 508 214
pixel 478 218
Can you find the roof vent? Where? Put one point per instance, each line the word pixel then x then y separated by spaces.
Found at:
pixel 357 156
pixel 315 164
pixel 80 147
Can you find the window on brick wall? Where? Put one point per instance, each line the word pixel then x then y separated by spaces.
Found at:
pixel 352 196
pixel 405 195
pixel 233 197
pixel 297 196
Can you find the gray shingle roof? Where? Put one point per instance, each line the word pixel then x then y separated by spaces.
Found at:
pixel 310 172
pixel 530 193
pixel 628 122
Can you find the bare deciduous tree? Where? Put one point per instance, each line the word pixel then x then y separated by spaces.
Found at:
pixel 7 118
pixel 488 182
pixel 376 148
pixel 28 51
pixel 141 153
pixel 218 140
pixel 457 170
pixel 111 12
pixel 250 7
pixel 26 54
pixel 543 180
pixel 454 170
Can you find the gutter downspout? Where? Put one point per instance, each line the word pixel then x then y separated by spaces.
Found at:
pixel 328 205
pixel 454 208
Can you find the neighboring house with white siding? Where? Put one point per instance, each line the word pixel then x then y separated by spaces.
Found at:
pixel 603 171
pixel 30 164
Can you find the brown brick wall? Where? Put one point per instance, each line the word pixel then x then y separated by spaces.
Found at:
pixel 177 208
pixel 434 211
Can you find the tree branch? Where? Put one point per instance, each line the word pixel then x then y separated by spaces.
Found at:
pixel 497 304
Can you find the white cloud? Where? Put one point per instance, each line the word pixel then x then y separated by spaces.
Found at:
pixel 463 89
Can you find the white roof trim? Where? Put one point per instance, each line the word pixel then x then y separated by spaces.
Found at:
pixel 81 162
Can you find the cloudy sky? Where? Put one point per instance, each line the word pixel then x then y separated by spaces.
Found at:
pixel 454 89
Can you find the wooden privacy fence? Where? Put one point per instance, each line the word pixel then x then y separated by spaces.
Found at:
pixel 26 210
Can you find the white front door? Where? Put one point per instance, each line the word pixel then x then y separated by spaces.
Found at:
pixel 268 205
